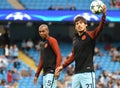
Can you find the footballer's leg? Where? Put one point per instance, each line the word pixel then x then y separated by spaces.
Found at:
pixel 87 80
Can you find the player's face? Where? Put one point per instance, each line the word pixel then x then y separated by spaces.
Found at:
pixel 80 26
pixel 43 32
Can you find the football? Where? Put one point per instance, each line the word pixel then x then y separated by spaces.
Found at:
pixel 96 6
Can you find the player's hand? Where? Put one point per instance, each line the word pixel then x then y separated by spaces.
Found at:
pixel 57 71
pixel 35 80
pixel 104 9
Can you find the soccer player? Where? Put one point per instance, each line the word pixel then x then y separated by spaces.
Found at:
pixel 50 58
pixel 82 53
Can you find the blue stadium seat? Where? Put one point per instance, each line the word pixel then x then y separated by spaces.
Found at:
pixel 4 4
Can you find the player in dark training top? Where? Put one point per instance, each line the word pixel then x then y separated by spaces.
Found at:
pixel 83 52
pixel 50 58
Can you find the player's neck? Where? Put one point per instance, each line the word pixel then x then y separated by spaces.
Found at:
pixel 81 32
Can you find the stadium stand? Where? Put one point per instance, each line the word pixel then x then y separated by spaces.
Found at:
pixel 4 4
pixel 55 4
pixel 25 81
pixel 16 4
pixel 61 3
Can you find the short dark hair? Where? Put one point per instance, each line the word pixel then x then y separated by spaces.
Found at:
pixel 79 18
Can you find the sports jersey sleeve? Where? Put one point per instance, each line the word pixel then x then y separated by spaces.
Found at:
pixel 69 60
pixel 54 45
pixel 39 68
pixel 93 34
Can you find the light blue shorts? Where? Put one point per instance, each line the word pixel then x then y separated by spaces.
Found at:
pixel 49 81
pixel 84 80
